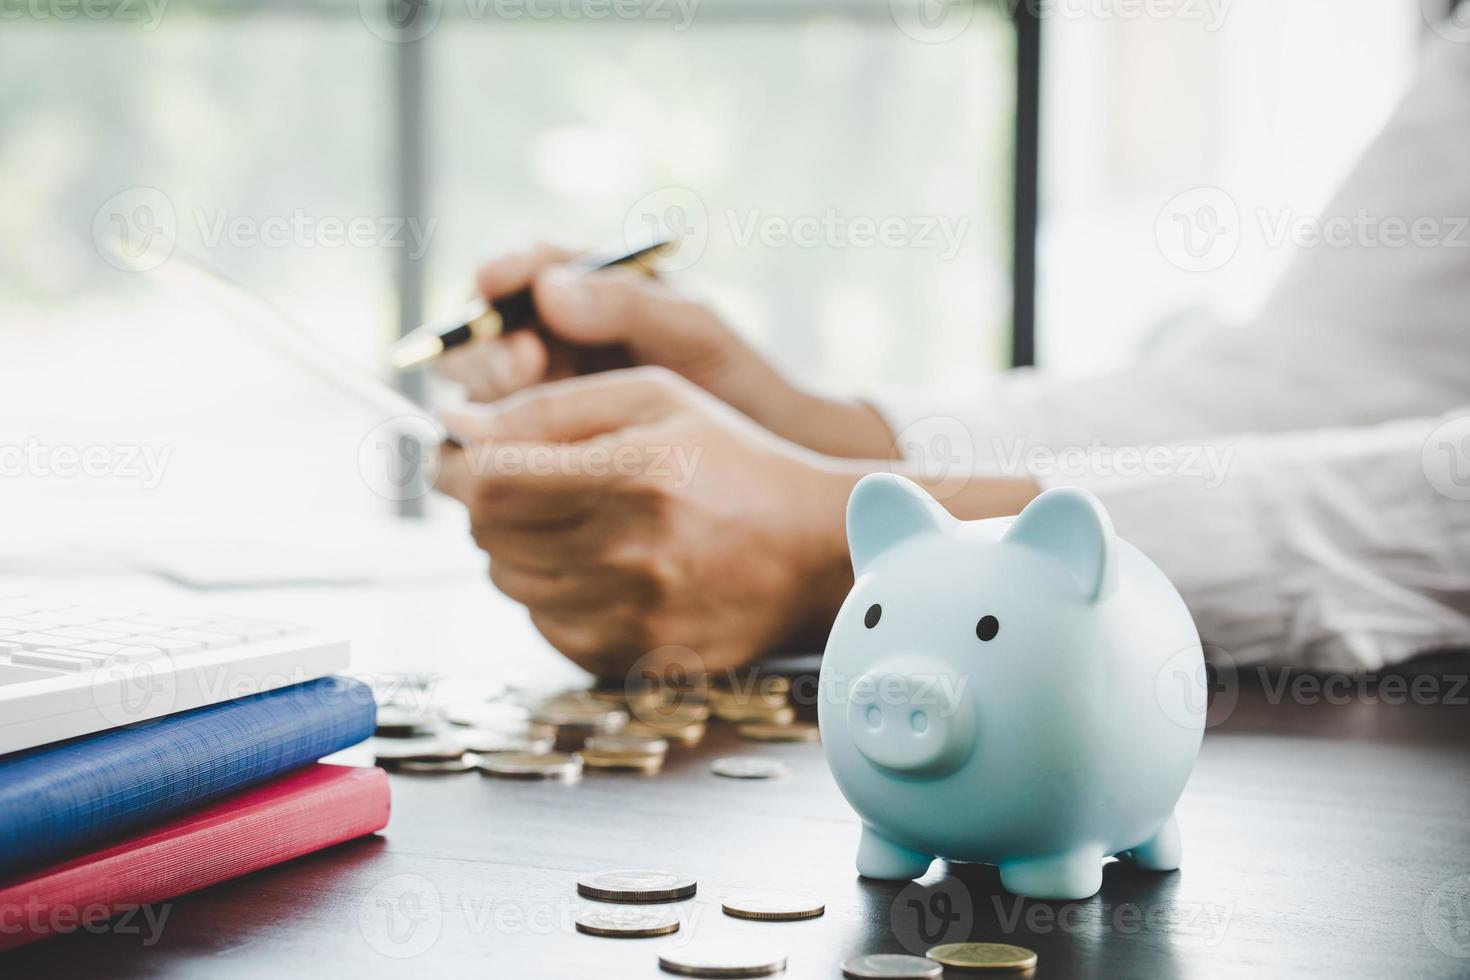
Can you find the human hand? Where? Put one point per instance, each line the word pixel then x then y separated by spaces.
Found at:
pixel 620 317
pixel 632 512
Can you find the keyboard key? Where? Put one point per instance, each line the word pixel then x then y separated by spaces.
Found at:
pixel 131 655
pixel 127 627
pixel 59 660
pixel 95 659
pixel 206 638
pixel 248 630
pixel 159 623
pixel 167 644
pixel 37 641
pixel 7 647
pixel 88 633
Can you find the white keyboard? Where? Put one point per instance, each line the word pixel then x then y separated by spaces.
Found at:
pixel 70 666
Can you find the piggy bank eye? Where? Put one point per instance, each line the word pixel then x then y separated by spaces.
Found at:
pixel 987 628
pixel 874 613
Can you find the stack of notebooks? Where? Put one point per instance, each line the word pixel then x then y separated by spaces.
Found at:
pixel 95 826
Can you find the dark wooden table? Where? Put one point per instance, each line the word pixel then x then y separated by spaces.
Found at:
pixel 1321 839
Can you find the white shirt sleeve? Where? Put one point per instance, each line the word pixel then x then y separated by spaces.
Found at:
pixel 1343 549
pixel 1355 334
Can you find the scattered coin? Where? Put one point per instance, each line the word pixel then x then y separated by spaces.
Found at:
pixel 628 923
pixel 592 715
pixel 747 767
pixel 491 717
pixel 673 715
pixel 614 760
pixel 531 765
pixel 742 711
pixel 641 745
pixel 392 756
pixel 772 906
pixel 726 959
pixel 399 723
pixel 891 966
pixel 689 734
pixel 761 731
pixel 460 764
pixel 536 739
pixel 636 886
pixel 983 956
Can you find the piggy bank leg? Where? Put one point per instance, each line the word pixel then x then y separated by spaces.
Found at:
pixel 1161 852
pixel 879 857
pixel 1073 875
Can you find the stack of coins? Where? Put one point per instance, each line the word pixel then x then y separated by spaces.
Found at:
pixel 577 716
pixel 634 753
pixel 683 722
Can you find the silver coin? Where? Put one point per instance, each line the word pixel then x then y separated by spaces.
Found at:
pixel 493 717
pixel 772 906
pixel 536 739
pixel 594 716
pixel 722 959
pixel 392 755
pixel 747 767
pixel 399 723
pixel 531 765
pixel 460 764
pixel 891 966
pixel 636 886
pixel 627 923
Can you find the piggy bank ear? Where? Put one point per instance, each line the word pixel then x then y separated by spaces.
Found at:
pixel 885 509
pixel 1070 525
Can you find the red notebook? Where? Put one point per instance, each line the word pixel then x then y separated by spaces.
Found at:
pixel 296 814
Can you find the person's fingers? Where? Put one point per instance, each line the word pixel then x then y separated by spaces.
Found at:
pixel 455 477
pixel 618 305
pixel 542 547
pixel 491 369
pixel 513 271
pixel 568 410
pixel 554 591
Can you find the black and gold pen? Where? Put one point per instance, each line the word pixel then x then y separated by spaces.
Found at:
pixel 480 319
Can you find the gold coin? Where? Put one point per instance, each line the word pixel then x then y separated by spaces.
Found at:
pixel 761 731
pixel 755 711
pixel 722 959
pixel 983 956
pixel 627 923
pixel 772 906
pixel 641 746
pixel 606 760
pixel 672 715
pixel 689 734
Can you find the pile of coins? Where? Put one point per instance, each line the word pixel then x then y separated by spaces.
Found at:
pixel 627 728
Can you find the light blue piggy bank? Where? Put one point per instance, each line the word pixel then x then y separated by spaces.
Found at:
pixel 1026 692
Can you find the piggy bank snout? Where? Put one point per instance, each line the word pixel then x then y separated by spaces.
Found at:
pixel 912 717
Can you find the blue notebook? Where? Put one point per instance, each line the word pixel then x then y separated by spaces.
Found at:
pixel 57 800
